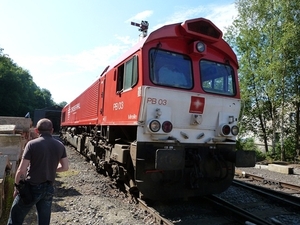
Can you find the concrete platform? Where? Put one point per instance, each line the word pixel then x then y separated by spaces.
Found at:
pixel 261 166
pixel 11 145
pixel 21 124
pixel 14 134
pixel 7 129
pixel 3 164
pixel 281 168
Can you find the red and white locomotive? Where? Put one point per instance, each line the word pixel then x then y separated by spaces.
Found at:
pixel 163 118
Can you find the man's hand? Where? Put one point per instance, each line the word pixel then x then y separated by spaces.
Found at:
pixel 15 193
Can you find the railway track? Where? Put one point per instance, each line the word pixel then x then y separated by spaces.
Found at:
pixel 154 215
pixel 262 181
pixel 242 204
pixel 267 205
pixel 270 193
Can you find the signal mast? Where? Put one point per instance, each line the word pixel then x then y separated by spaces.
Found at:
pixel 143 27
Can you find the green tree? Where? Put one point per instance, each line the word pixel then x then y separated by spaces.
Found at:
pixel 18 93
pixel 62 104
pixel 264 35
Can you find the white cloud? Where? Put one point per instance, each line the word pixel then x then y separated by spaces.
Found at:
pixel 221 15
pixel 140 16
pixel 88 60
pixel 77 71
pixel 93 59
pixel 127 40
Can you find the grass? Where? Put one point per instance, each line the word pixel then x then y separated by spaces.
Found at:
pixel 8 198
pixel 67 173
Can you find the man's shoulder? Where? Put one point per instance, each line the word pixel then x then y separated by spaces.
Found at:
pixel 48 139
pixel 38 139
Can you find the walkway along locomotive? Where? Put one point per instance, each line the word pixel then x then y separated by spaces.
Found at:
pixel 163 118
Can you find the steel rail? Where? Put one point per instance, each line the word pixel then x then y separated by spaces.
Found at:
pixel 157 217
pixel 269 181
pixel 278 196
pixel 248 218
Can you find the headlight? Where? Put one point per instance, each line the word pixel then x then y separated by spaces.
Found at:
pixel 234 130
pixel 200 47
pixel 154 125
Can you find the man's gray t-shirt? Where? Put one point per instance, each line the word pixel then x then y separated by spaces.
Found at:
pixel 44 154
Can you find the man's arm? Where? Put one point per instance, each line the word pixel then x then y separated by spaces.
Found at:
pixel 22 170
pixel 21 173
pixel 63 165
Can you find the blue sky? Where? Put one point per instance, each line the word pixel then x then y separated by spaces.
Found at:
pixel 66 44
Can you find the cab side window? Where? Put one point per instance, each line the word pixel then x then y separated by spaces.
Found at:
pixel 127 74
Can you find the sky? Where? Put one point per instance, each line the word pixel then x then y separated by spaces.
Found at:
pixel 66 44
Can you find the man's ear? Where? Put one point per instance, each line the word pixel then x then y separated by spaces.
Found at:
pixel 36 130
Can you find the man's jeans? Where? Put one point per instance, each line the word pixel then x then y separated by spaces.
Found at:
pixel 42 198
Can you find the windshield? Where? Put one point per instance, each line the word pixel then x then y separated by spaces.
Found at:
pixel 170 69
pixel 217 78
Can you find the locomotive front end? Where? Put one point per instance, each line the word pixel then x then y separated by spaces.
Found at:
pixel 181 152
pixel 188 123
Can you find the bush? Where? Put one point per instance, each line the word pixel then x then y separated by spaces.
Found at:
pixel 247 144
pixel 289 148
pixel 260 156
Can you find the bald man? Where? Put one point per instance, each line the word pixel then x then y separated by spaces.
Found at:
pixel 42 158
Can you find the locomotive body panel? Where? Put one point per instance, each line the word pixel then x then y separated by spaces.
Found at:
pixel 84 109
pixel 121 109
pixel 122 91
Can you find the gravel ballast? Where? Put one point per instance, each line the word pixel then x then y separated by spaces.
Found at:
pixel 85 197
pixel 82 196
